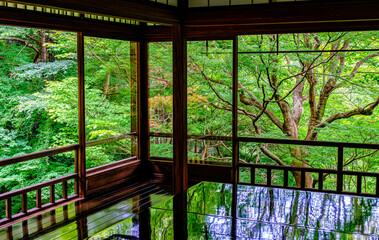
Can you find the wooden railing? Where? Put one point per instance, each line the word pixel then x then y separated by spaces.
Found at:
pixel 193 136
pixel 23 192
pixel 339 172
pixel 110 139
pixel 31 156
pixel 51 184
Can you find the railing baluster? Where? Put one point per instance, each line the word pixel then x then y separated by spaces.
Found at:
pixel 24 203
pixel 52 193
pixel 64 189
pixel 320 180
pixel 8 208
pixel 269 176
pixel 252 175
pixel 285 176
pixel 76 182
pixel 340 169
pixel 359 184
pixel 302 184
pixel 39 198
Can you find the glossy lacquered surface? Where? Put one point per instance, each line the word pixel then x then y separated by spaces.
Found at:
pixel 262 213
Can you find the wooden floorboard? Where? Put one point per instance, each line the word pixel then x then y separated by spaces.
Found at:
pixel 96 213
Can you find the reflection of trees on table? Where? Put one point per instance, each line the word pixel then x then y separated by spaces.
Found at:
pixel 271 214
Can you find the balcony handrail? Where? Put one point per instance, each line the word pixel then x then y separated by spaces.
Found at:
pixel 109 139
pixel 31 156
pixel 340 172
pixel 309 143
pixel 193 136
pixel 37 186
pixel 273 141
pixel 54 151
pixel 288 168
pixel 315 170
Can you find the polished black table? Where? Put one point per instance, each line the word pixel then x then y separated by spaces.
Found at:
pixel 262 213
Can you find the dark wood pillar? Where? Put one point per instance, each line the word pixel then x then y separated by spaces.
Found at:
pixel 81 161
pixel 235 146
pixel 180 170
pixel 180 173
pixel 82 228
pixel 180 216
pixel 144 216
pixel 134 97
pixel 140 74
pixel 143 101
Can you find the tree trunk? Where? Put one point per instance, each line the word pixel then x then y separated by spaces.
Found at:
pixel 43 46
pixel 300 162
pixel 106 84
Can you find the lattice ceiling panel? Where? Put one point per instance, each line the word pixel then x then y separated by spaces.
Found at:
pixel 167 2
pixel 64 12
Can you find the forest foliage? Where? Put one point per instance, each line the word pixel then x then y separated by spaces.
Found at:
pixel 325 91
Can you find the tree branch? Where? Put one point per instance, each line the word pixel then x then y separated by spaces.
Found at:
pixel 367 110
pixel 25 42
pixel 360 63
pixel 254 102
pixel 269 154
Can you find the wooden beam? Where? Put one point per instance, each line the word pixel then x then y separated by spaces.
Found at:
pixel 180 171
pixel 145 11
pixel 158 34
pixel 89 27
pixel 286 12
pixel 164 34
pixel 197 172
pixel 227 32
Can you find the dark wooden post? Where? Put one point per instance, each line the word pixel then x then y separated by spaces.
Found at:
pixel 143 100
pixel 81 168
pixel 134 96
pixel 140 118
pixel 10 233
pixel 235 148
pixel 180 216
pixel 25 230
pixel 180 173
pixel 180 170
pixel 82 227
pixel 235 113
pixel 144 203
